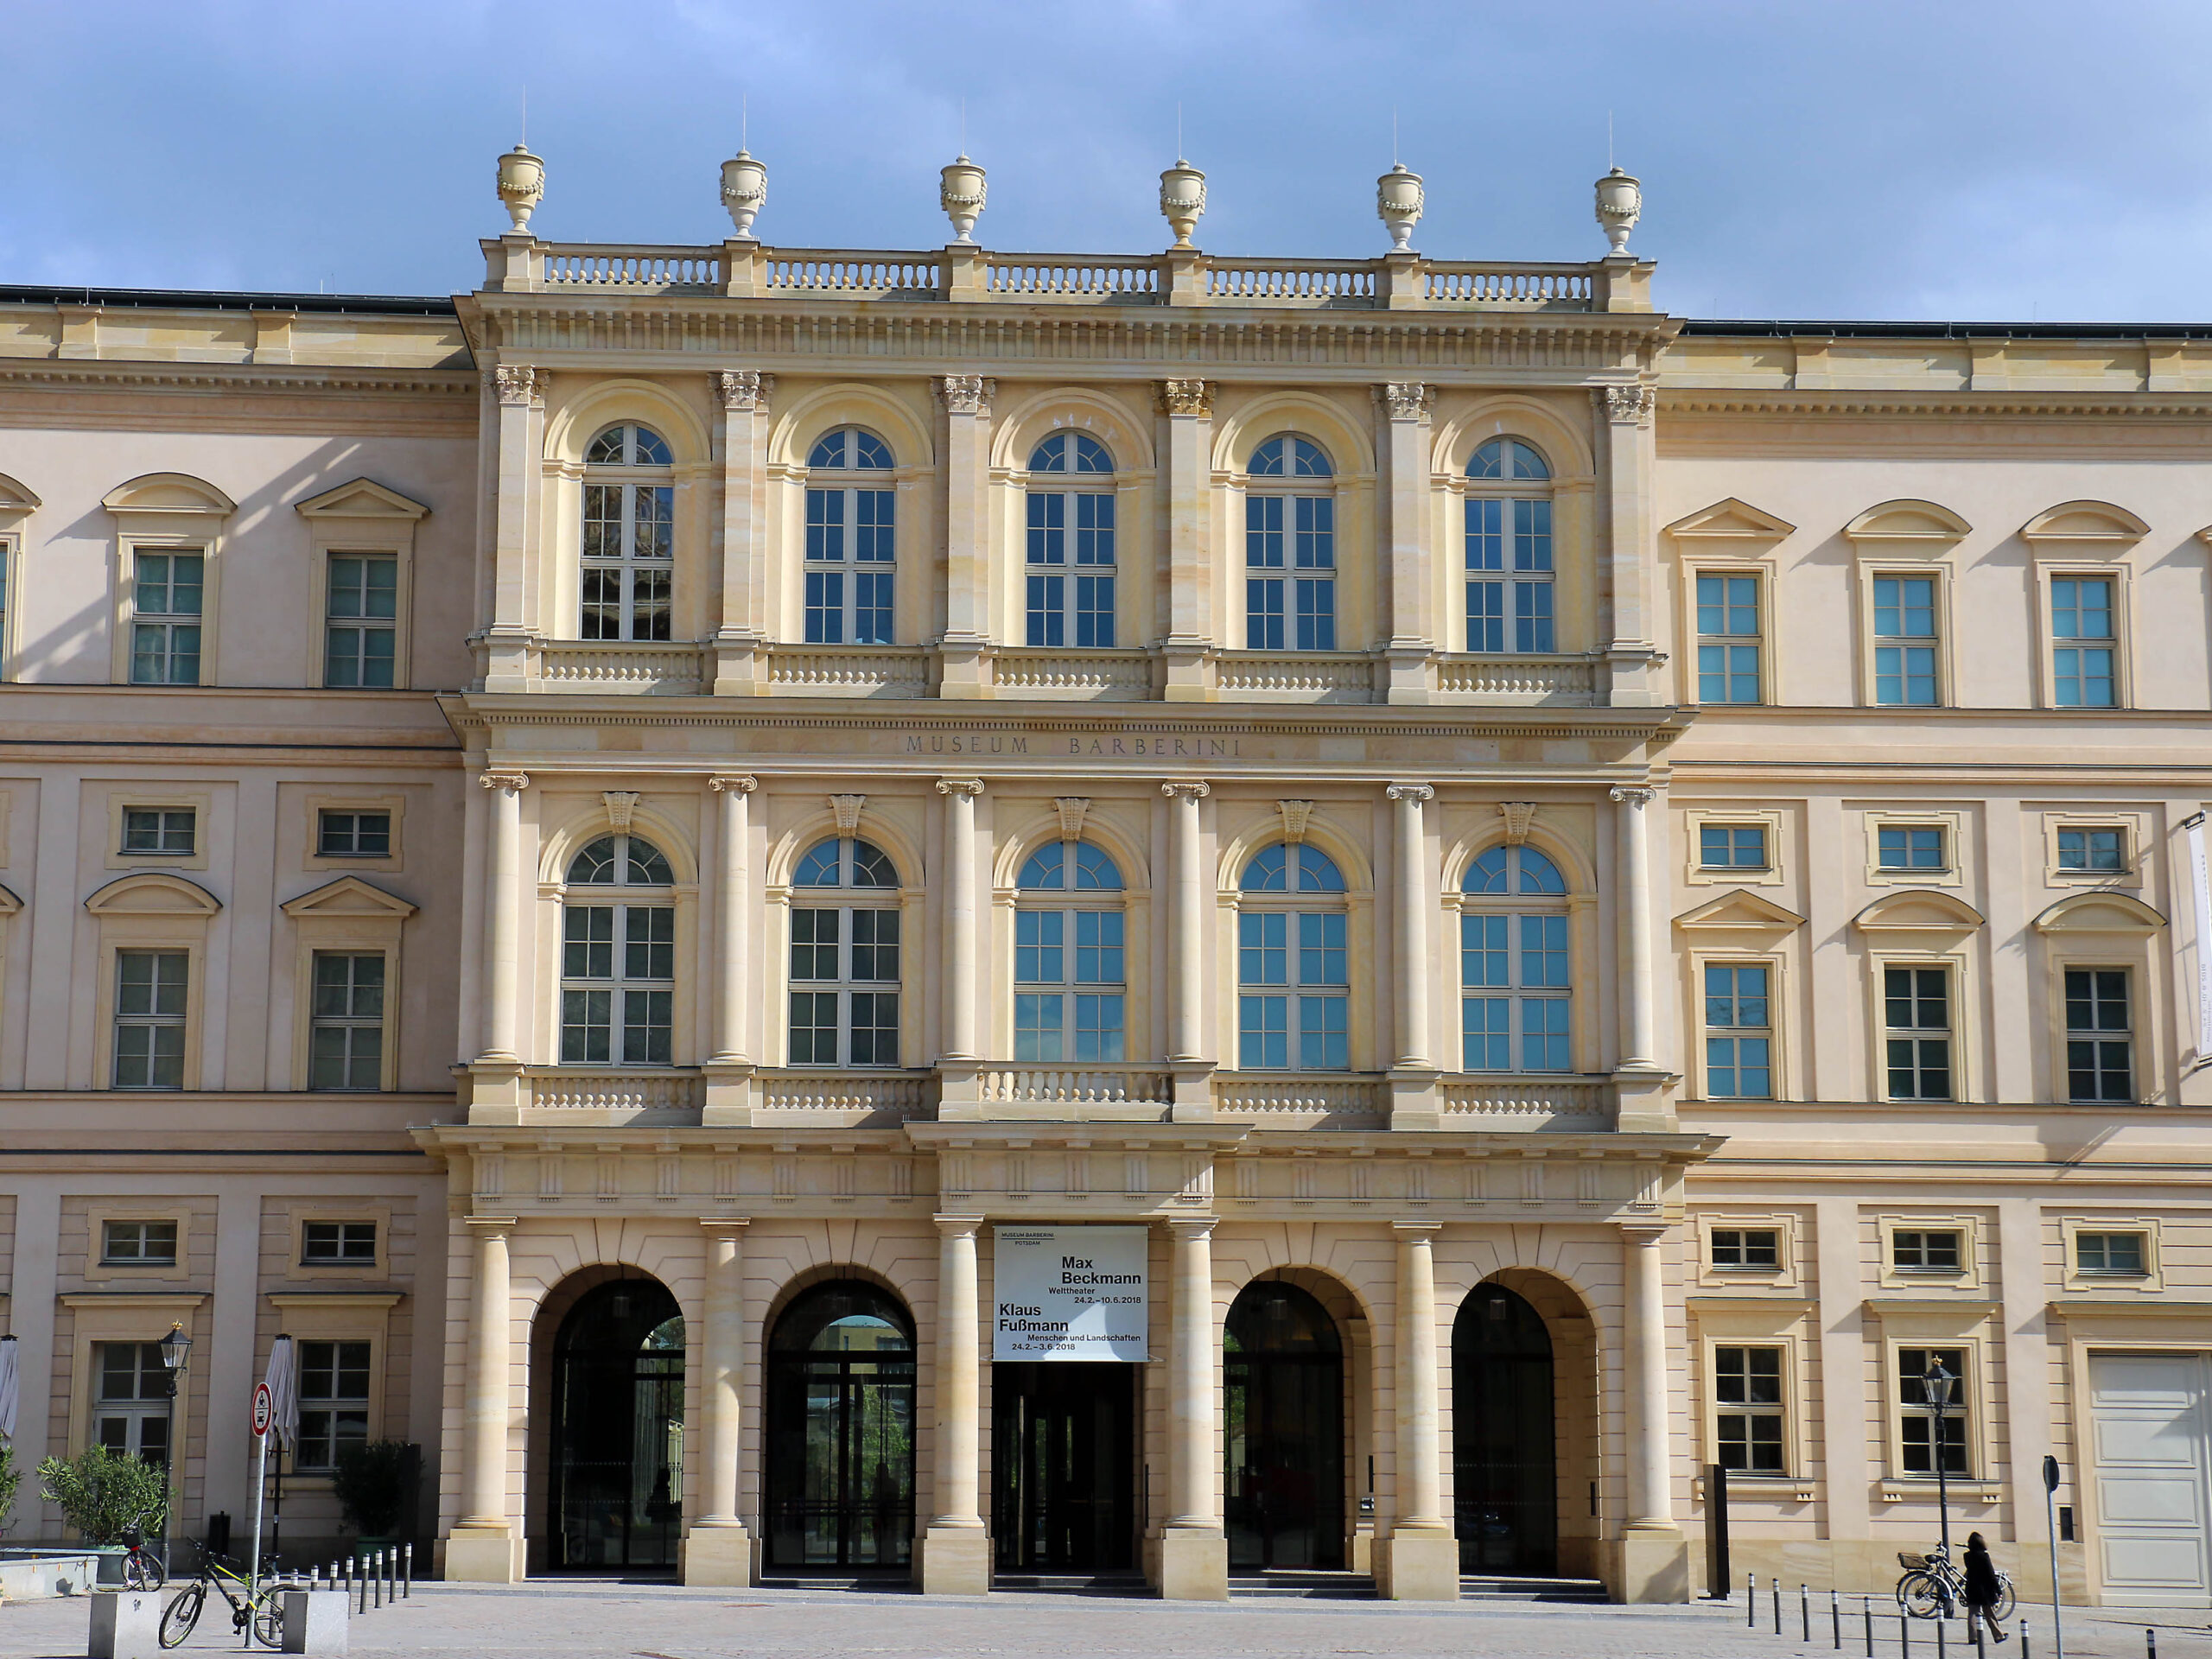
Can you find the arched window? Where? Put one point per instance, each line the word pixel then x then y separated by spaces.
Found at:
pixel 1292 984
pixel 851 539
pixel 618 955
pixel 1508 549
pixel 1061 498
pixel 629 535
pixel 838 1456
pixel 845 957
pixel 1515 1015
pixel 1290 548
pixel 1069 975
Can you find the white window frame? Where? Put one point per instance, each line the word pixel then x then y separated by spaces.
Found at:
pixel 624 901
pixel 2094 540
pixel 1290 487
pixel 1069 903
pixel 626 564
pixel 848 483
pixel 2105 1282
pixel 1965 1278
pixel 1295 993
pixel 167 513
pixel 845 900
pixel 2134 848
pixel 2047 578
pixel 1697 872
pixel 1951 822
pixel 1761 574
pixel 1037 489
pixel 346 916
pixel 1908 539
pixel 1514 907
pixel 1540 495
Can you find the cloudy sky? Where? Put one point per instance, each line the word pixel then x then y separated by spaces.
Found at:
pixel 2010 159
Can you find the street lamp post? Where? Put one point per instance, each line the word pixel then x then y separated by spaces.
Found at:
pixel 176 1348
pixel 1936 1386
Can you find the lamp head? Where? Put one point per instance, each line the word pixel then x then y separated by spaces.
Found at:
pixel 176 1347
pixel 1936 1384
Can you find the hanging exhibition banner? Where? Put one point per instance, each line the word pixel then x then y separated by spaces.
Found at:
pixel 1070 1293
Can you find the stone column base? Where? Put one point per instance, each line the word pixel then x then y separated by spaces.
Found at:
pixel 1651 1564
pixel 483 1555
pixel 956 1562
pixel 1193 1565
pixel 718 1556
pixel 1422 1566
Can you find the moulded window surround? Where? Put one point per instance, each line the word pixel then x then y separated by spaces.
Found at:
pixel 133 1243
pixel 1069 557
pixel 346 987
pixel 169 538
pixel 1757 1249
pixel 339 1396
pixel 139 1316
pixel 150 915
pixel 1729 539
pixel 2092 848
pixel 1905 578
pixel 2105 966
pixel 1290 570
pixel 179 819
pixel 11 593
pixel 1935 1251
pixel 1736 847
pixel 312 1228
pixel 846 956
pixel 1749 1355
pixel 361 565
pixel 2111 1254
pixel 1506 528
pixel 340 832
pixel 1750 1411
pixel 851 554
pixel 2083 577
pixel 1910 848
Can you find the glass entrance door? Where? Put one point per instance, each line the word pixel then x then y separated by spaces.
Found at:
pixel 1063 1467
pixel 1284 1372
pixel 1504 1462
pixel 618 1430
pixel 841 1432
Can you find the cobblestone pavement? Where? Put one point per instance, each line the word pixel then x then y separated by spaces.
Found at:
pixel 589 1620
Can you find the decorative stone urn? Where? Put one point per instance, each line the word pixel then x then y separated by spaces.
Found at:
pixel 1182 199
pixel 745 191
pixel 521 185
pixel 1620 201
pixel 962 197
pixel 1398 200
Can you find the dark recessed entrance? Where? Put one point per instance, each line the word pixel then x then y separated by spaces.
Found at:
pixel 1063 1467
pixel 1284 1372
pixel 841 1431
pixel 1505 1461
pixel 618 1430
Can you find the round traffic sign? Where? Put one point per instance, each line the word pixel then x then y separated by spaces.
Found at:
pixel 261 1409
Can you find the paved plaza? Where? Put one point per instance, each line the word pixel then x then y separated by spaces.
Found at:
pixel 589 1620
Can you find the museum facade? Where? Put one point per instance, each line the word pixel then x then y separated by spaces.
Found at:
pixel 664 861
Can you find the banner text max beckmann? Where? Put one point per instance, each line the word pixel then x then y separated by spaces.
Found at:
pixel 1070 1293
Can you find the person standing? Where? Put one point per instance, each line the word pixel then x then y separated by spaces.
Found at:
pixel 1983 1587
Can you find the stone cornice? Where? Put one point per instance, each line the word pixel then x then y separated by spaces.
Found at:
pixel 461 386
pixel 1871 404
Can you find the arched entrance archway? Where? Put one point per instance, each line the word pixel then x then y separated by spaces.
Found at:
pixel 841 1431
pixel 1284 1377
pixel 617 1475
pixel 1504 1451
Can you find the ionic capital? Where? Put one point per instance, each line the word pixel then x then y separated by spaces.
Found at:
pixel 743 782
pixel 1633 794
pixel 1414 793
pixel 507 783
pixel 969 786
pixel 1630 405
pixel 1407 400
pixel 1187 792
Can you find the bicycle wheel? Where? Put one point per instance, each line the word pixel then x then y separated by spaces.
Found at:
pixel 269 1619
pixel 182 1614
pixel 1919 1595
pixel 139 1571
pixel 2006 1599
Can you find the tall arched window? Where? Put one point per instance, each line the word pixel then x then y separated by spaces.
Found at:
pixel 1513 965
pixel 1069 977
pixel 1062 499
pixel 851 539
pixel 1508 549
pixel 1293 984
pixel 618 955
pixel 1290 548
pixel 845 957
pixel 629 535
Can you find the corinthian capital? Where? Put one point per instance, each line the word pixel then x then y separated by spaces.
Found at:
pixel 1630 405
pixel 966 394
pixel 1186 398
pixel 514 382
pixel 743 391
pixel 1407 400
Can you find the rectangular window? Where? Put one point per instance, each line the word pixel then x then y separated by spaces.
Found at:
pixel 353 834
pixel 1921 1250
pixel 1486 616
pixel 333 1401
pixel 1917 1021
pixel 361 632
pixel 1747 1409
pixel 1752 1248
pixel 1728 638
pixel 1911 847
pixel 875 1027
pixel 336 1243
pixel 1905 641
pixel 814 1028
pixel 345 1038
pixel 2109 1253
pixel 165 618
pixel 1731 847
pixel 2100 1041
pixel 130 1402
pixel 2095 851
pixel 1296 533
pixel 1919 1429
pixel 825 607
pixel 138 1243
pixel 162 830
pixel 1264 614
pixel 149 1011
pixel 1311 974
pixel 1738 1033
pixel 2084 643
pixel 856 527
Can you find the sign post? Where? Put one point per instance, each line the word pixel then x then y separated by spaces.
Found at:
pixel 2050 1520
pixel 262 1410
pixel 1070 1293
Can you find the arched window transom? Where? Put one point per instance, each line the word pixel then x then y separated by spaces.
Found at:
pixel 618 955
pixel 1069 597
pixel 1517 1007
pixel 1293 982
pixel 844 957
pixel 629 545
pixel 851 540
pixel 1290 548
pixel 1509 550
pixel 1070 972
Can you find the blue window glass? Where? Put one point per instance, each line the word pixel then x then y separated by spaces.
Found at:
pixel 1532 616
pixel 848 525
pixel 1905 610
pixel 1263 613
pixel 1732 846
pixel 1728 646
pixel 1486 616
pixel 1487 1038
pixel 1517 949
pixel 1316 614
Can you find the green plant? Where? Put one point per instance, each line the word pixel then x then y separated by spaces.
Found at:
pixel 105 1494
pixel 372 1479
pixel 10 1478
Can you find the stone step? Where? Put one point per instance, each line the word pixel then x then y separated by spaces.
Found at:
pixel 1503 1587
pixel 1348 1586
pixel 1097 1584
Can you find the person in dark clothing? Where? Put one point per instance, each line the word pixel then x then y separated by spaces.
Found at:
pixel 1983 1588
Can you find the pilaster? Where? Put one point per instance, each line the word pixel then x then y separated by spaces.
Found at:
pixel 517 445
pixel 964 647
pixel 1188 649
pixel 1632 657
pixel 1412 637
pixel 741 442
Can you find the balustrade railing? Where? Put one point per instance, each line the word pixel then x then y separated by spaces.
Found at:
pixel 612 1092
pixel 1109 675
pixel 641 268
pixel 886 1094
pixel 1247 1093
pixel 850 670
pixel 1314 677
pixel 1344 282
pixel 613 665
pixel 1541 679
pixel 1533 288
pixel 1061 277
pixel 1073 1087
pixel 1579 1100
pixel 851 276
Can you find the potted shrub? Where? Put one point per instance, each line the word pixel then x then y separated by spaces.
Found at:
pixel 10 1478
pixel 106 1496
pixel 373 1481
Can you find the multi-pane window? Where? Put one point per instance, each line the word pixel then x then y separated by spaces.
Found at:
pixel 1739 1032
pixel 164 830
pixel 1917 1032
pixel 2111 1253
pixel 338 1243
pixel 1509 550
pixel 1923 1250
pixel 1905 641
pixel 353 834
pixel 2100 1035
pixel 1290 548
pixel 130 1399
pixel 618 955
pixel 1908 846
pixel 1293 977
pixel 2098 851
pixel 1069 975
pixel 361 631
pixel 1731 847
pixel 138 1243
pixel 149 1015
pixel 1728 642
pixel 2084 642
pixel 1758 1248
pixel 844 963
pixel 629 549
pixel 851 539
pixel 1069 595
pixel 333 1401
pixel 1514 1012
pixel 1748 1409
pixel 165 617
pixel 1918 1430
pixel 346 1024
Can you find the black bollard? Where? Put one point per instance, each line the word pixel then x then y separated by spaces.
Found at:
pixel 2150 1644
pixel 1866 1610
pixel 1939 1639
pixel 407 1570
pixel 1904 1637
pixel 1835 1618
pixel 1750 1601
pixel 2024 1639
pixel 1777 1583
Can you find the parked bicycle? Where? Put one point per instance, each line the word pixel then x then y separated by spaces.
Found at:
pixel 1933 1588
pixel 142 1568
pixel 250 1607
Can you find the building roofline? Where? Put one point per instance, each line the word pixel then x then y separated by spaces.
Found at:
pixel 1784 329
pixel 397 305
